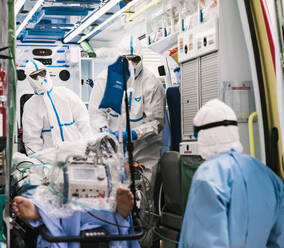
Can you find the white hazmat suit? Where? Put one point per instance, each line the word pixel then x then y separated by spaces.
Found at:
pixel 146 106
pixel 53 114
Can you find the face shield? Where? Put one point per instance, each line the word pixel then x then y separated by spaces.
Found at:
pixel 38 76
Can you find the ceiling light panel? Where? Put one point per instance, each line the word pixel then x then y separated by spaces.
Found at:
pixel 109 6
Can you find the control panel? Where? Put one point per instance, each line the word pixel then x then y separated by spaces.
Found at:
pixel 188 148
pixel 87 181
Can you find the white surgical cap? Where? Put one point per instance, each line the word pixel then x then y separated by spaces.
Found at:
pixel 216 139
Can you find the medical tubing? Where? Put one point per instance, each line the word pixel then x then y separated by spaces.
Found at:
pixel 30 166
pixel 129 142
pixel 22 162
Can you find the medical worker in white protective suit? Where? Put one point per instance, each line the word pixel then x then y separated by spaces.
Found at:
pixel 53 114
pixel 234 200
pixel 146 105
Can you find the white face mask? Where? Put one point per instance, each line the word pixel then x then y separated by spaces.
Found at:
pixel 135 69
pixel 39 85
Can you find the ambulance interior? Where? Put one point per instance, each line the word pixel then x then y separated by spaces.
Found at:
pixel 200 50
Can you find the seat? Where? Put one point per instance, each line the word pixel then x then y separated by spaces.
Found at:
pixel 170 172
pixel 167 191
pixel 176 173
pixel 24 98
pixel 173 101
pixel 166 134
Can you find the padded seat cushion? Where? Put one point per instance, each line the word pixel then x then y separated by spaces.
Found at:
pixel 171 220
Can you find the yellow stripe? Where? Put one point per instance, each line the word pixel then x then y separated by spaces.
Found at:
pixel 268 74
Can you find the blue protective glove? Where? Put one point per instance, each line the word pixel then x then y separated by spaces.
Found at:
pixel 125 137
pixel 115 133
pixel 133 134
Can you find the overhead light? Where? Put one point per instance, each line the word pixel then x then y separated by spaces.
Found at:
pixel 92 18
pixel 29 16
pixel 110 19
pixel 18 5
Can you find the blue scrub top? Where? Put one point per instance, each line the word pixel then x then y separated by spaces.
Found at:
pixel 234 201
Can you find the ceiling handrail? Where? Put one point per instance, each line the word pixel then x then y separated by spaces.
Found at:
pixel 29 16
pixel 18 5
pixel 106 22
pixel 142 11
pixel 96 14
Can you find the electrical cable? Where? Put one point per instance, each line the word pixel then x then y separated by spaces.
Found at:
pixel 147 225
pixel 23 144
pixel 24 177
pixel 105 221
pixel 152 229
pixel 20 188
pixel 145 202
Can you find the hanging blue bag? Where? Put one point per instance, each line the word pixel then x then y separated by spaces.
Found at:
pixel 114 87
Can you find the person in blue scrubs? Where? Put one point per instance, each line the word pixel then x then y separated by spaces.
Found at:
pixel 34 211
pixel 234 200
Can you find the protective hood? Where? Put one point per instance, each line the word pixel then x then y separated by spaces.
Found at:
pixel 41 84
pixel 130 46
pixel 216 139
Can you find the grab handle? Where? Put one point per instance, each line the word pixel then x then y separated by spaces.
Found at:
pixel 251 134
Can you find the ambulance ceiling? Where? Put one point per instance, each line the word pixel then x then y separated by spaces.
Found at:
pixel 50 21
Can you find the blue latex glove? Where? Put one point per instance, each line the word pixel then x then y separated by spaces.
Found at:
pixel 125 137
pixel 133 134
pixel 115 133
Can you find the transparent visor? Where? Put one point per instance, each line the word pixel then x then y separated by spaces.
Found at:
pixel 36 74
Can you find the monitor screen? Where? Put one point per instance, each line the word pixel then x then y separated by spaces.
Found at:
pixel 83 174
